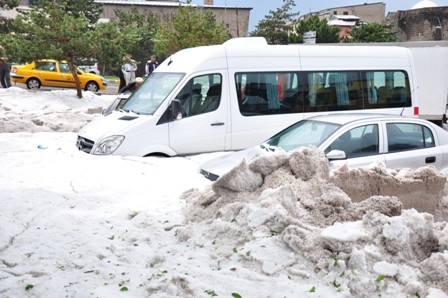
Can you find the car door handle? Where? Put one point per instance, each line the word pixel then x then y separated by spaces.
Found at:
pixel 217 124
pixel 431 159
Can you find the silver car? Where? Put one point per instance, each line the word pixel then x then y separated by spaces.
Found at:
pixel 356 139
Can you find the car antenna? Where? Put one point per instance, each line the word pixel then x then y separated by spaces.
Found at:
pixel 171 61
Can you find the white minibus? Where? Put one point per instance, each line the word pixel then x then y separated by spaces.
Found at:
pixel 236 95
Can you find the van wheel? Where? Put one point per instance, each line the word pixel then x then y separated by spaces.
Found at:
pixel 92 86
pixel 33 83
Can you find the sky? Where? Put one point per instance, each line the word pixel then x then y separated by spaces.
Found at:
pixel 262 7
pixel 78 225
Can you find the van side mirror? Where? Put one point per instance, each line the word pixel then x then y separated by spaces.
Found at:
pixel 175 110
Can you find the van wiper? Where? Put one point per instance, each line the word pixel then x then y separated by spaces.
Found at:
pixel 129 111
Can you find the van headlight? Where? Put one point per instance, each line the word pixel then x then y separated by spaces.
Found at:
pixel 108 145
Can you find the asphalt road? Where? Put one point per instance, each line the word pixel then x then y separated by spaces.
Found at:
pixel 111 88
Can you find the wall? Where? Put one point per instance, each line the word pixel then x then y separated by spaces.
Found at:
pixel 236 19
pixel 420 24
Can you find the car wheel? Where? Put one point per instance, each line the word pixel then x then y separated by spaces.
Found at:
pixel 33 83
pixel 92 86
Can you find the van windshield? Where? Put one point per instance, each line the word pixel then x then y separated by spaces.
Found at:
pixel 148 97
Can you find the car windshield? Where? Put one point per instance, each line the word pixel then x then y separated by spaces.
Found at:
pixel 148 97
pixel 303 133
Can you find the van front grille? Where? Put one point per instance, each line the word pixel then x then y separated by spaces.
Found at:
pixel 84 144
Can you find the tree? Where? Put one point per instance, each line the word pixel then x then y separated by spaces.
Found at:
pixel 142 27
pixel 113 42
pixel 91 10
pixel 5 23
pixel 372 32
pixel 47 31
pixel 189 27
pixel 324 32
pixel 9 4
pixel 275 26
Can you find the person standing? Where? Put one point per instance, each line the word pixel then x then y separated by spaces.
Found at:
pixel 5 70
pixel 121 77
pixel 129 68
pixel 151 65
pixel 5 73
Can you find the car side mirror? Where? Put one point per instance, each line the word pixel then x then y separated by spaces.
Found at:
pixel 175 110
pixel 336 155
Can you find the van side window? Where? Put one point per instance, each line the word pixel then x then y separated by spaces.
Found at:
pixel 266 93
pixel 201 94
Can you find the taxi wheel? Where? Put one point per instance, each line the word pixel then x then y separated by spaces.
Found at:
pixel 92 86
pixel 33 83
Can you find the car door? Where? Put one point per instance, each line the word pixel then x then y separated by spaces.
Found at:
pixel 48 73
pixel 65 75
pixel 204 123
pixel 362 145
pixel 411 145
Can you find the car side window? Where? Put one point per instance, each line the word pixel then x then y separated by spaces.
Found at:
pixel 47 66
pixel 357 142
pixel 63 67
pixel 408 136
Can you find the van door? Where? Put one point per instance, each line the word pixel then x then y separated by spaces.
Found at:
pixel 203 126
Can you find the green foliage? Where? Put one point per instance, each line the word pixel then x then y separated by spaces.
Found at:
pixel 140 30
pixel 275 26
pixel 9 4
pixel 5 23
pixel 380 278
pixel 372 32
pixel 76 8
pixel 28 287
pixel 211 293
pixel 324 32
pixel 313 289
pixel 236 295
pixel 189 27
pixel 111 42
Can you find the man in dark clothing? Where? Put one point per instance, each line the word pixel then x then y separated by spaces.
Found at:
pixel 122 80
pixel 132 86
pixel 5 73
pixel 151 65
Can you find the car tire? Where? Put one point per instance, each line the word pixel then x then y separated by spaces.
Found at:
pixel 92 86
pixel 33 83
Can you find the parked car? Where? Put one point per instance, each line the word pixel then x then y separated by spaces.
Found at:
pixel 53 73
pixel 355 139
pixel 89 65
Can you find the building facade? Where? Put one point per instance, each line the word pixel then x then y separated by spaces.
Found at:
pixel 367 12
pixel 236 19
pixel 421 24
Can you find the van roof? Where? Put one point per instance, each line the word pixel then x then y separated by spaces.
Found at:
pixel 255 53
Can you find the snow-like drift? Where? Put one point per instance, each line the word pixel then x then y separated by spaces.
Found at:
pixel 364 248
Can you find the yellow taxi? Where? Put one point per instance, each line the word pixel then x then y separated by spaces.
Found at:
pixel 53 73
